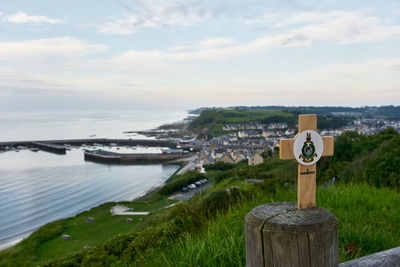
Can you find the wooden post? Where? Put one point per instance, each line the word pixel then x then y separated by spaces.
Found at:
pixel 279 234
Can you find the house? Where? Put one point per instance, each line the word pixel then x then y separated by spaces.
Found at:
pixel 218 153
pixel 208 160
pixel 239 158
pixel 277 125
pixel 250 134
pixel 227 159
pixel 242 134
pixel 255 159
pixel 205 158
pixel 267 133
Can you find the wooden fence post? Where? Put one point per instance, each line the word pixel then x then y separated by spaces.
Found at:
pixel 279 234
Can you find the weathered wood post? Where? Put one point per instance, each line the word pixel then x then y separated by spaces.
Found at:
pixel 289 233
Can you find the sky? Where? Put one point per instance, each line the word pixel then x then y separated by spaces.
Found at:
pixel 169 54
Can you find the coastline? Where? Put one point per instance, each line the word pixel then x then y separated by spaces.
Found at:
pixel 182 164
pixel 138 198
pixel 13 242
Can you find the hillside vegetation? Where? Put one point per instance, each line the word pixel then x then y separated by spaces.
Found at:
pixel 208 229
pixel 388 112
pixel 210 122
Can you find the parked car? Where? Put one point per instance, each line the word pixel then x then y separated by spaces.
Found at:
pixel 192 186
pixel 184 189
pixel 203 181
pixel 198 183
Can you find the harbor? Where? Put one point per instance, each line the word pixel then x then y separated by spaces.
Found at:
pixel 107 150
pixel 128 158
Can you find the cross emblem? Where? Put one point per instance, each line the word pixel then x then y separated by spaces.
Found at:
pixel 307 147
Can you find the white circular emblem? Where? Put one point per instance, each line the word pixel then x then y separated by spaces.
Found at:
pixel 308 147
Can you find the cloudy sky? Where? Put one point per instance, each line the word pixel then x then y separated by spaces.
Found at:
pixel 185 54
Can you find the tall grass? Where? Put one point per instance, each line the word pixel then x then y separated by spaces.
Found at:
pixel 369 221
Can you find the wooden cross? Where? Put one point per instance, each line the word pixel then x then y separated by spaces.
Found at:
pixel 306 183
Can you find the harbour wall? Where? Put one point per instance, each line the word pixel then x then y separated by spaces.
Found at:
pixel 102 141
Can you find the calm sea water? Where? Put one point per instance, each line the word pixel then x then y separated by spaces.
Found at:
pixel 20 126
pixel 40 187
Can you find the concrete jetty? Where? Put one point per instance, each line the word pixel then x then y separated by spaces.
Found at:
pixel 59 149
pixel 123 158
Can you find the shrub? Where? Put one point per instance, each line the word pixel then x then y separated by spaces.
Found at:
pixel 220 166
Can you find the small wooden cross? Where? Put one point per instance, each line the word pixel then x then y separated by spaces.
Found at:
pixel 306 183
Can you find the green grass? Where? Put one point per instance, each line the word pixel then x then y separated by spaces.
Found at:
pixel 106 227
pixel 369 221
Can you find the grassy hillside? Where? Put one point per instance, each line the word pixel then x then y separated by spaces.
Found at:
pixel 46 244
pixel 372 159
pixel 388 112
pixel 208 229
pixel 210 122
pixel 221 242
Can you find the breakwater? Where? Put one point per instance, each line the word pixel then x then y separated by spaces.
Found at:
pixel 59 149
pixel 112 157
pixel 92 141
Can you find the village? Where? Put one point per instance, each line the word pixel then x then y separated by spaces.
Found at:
pixel 253 141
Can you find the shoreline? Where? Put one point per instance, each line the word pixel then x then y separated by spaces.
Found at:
pixel 182 163
pixel 155 188
pixel 12 243
pixel 139 198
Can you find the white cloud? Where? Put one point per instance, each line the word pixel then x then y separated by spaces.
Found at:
pixel 21 17
pixel 158 13
pixel 205 44
pixel 215 42
pixel 340 27
pixel 63 47
pixel 180 48
pixel 365 68
pixel 263 19
pixel 17 79
pixel 123 26
pixel 206 50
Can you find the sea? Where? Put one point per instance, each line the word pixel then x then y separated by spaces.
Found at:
pixel 40 187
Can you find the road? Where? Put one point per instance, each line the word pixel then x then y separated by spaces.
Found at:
pixel 190 193
pixel 189 166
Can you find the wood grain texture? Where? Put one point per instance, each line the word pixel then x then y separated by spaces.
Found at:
pixel 286 149
pixel 290 237
pixel 328 145
pixel 306 186
pixel 387 258
pixel 254 222
pixel 307 122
